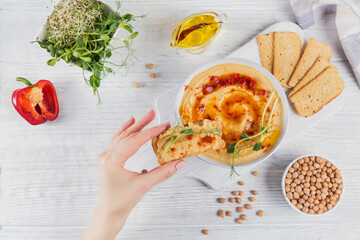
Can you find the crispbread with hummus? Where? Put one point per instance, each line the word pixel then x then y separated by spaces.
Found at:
pixel 313 50
pixel 266 49
pixel 287 51
pixel 317 93
pixel 187 145
pixel 319 66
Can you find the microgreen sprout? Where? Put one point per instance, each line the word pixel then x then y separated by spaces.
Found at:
pixel 232 148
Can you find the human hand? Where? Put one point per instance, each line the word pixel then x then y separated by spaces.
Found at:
pixel 121 189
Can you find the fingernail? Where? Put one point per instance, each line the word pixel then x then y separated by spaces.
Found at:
pixel 165 123
pixel 180 165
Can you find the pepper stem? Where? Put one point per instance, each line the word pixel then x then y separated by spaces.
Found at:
pixel 24 80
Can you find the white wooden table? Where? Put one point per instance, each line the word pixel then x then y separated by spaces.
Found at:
pixel 48 184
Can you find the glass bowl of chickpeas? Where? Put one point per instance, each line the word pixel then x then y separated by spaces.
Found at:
pixel 312 185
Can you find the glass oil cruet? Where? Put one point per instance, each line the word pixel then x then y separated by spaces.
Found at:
pixel 195 33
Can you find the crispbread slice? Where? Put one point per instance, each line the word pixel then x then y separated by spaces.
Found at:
pixel 313 50
pixel 287 51
pixel 317 93
pixel 266 49
pixel 319 66
pixel 188 145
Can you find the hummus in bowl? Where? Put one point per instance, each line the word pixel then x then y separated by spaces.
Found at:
pixel 245 98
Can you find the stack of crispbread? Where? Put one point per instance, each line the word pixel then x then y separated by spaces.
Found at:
pixel 314 79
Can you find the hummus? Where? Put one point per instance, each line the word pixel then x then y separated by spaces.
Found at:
pixel 234 95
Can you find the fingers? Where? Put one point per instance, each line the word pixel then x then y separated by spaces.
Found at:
pixel 135 141
pixel 142 137
pixel 139 125
pixel 161 173
pixel 123 127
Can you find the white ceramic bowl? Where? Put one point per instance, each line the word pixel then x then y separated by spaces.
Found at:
pixel 275 83
pixel 287 199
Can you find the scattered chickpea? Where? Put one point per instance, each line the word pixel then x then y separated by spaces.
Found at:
pixel 232 200
pixel 241 193
pixel 205 232
pixel 221 213
pixel 240 209
pixel 153 75
pixel 221 200
pixel 260 213
pixel 248 206
pixel 255 173
pixel 238 200
pixel 243 217
pixel 252 199
pixel 137 85
pixel 235 193
pixel 254 192
pixel 149 66
pixel 239 221
pixel 241 183
pixel 229 213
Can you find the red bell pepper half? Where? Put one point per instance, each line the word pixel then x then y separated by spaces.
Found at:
pixel 37 102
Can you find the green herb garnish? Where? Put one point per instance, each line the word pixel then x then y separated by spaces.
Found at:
pixel 80 31
pixel 189 131
pixel 245 137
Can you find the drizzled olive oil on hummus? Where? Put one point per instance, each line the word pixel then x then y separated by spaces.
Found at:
pixel 234 95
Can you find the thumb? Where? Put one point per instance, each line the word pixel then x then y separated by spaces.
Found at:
pixel 163 172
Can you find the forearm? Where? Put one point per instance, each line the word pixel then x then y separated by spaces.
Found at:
pixel 103 226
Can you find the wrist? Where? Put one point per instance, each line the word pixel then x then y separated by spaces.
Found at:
pixel 104 225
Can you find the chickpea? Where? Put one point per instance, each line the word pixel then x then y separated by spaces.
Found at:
pixel 239 221
pixel 301 200
pixel 221 200
pixel 260 213
pixel 241 193
pixel 240 209
pixel 255 173
pixel 305 209
pixel 238 200
pixel 241 183
pixel 232 200
pixel 294 202
pixel 243 217
pixel 153 75
pixel 312 158
pixel 149 66
pixel 301 161
pixel 221 213
pixel 235 193
pixel 252 199
pixel 296 165
pixel 299 206
pixel 229 213
pixel 296 195
pixel 254 192
pixel 205 232
pixel 248 206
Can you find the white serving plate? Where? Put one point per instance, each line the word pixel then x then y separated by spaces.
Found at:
pixel 215 176
pixel 288 201
pixel 278 89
